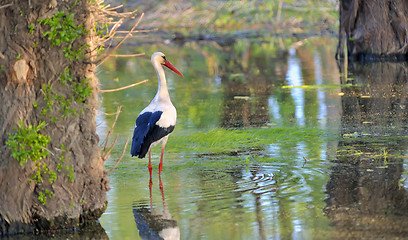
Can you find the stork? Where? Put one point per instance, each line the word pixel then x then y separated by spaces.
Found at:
pixel 157 120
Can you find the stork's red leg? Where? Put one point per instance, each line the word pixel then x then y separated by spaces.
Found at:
pixel 150 191
pixel 150 164
pixel 162 191
pixel 161 161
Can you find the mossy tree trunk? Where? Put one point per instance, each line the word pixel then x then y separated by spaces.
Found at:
pixel 373 29
pixel 62 183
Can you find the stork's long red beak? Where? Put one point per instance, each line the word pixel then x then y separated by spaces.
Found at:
pixel 169 65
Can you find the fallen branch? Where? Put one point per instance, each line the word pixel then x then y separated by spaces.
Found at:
pixel 120 158
pixel 122 88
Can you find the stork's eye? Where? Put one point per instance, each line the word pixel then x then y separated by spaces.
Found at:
pixel 164 57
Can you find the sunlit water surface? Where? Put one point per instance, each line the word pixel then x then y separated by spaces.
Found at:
pixel 305 188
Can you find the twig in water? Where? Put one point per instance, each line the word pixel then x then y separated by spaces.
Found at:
pixel 304 162
pixel 120 158
pixel 122 88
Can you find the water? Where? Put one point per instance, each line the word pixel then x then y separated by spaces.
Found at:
pixel 337 172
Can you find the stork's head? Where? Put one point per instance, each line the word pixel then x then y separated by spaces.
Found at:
pixel 159 57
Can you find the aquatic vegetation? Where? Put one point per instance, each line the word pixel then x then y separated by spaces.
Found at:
pixel 220 140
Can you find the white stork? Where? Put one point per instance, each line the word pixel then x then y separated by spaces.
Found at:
pixel 157 120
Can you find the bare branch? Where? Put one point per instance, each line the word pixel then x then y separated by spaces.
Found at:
pixel 127 55
pixel 106 154
pixel 120 158
pixel 120 43
pixel 6 5
pixel 110 131
pixel 122 88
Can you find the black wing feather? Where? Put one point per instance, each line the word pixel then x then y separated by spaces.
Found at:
pixel 147 132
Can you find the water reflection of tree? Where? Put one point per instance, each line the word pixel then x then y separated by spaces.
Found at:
pixel 249 76
pixel 365 196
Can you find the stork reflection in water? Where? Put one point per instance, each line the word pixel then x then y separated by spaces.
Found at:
pixel 155 223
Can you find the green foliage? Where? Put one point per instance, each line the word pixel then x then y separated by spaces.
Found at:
pixel 63 160
pixel 31 28
pixel 48 97
pixel 74 54
pixel 70 174
pixel 27 143
pixel 64 30
pixel 43 196
pixel 43 171
pixel 81 90
pixel 66 77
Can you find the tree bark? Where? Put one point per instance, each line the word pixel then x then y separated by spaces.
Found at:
pixel 373 30
pixel 27 61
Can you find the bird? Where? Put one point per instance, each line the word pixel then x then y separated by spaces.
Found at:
pixel 156 121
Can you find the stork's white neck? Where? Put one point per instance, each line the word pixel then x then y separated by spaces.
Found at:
pixel 162 91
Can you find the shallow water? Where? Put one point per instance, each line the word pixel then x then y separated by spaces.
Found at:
pixel 337 172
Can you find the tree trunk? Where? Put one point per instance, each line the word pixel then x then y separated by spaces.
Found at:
pixel 41 81
pixel 373 30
